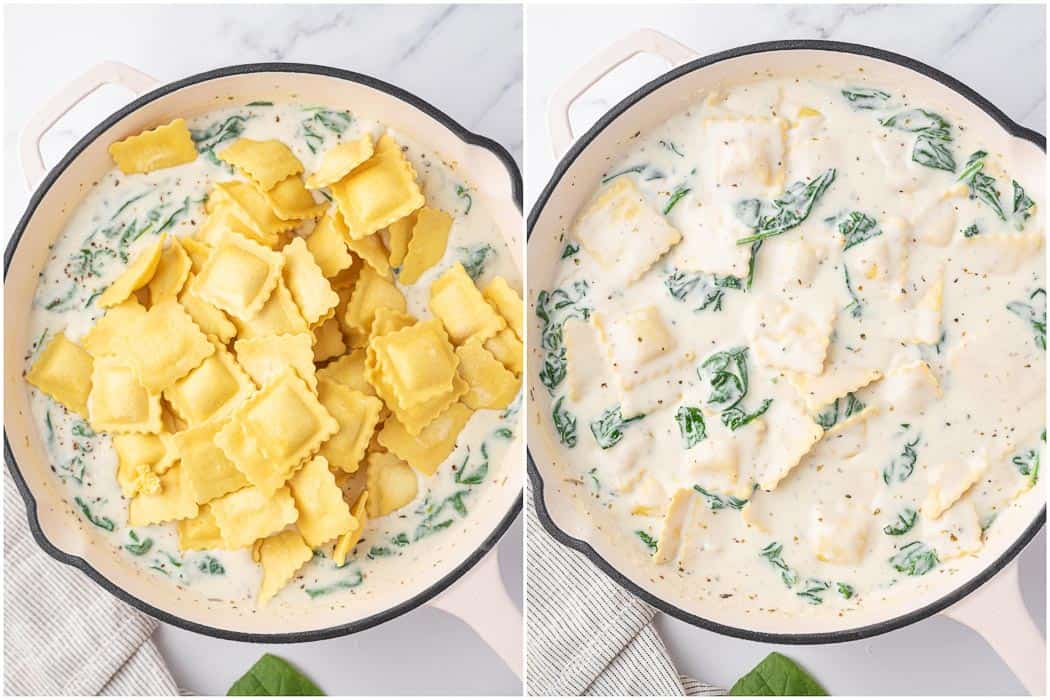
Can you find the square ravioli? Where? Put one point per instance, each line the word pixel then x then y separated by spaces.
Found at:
pixel 427 245
pixel 391 484
pixel 251 514
pixel 211 390
pixel 418 362
pixel 252 208
pixel 747 153
pixel 623 232
pixel 269 435
pixel 459 304
pixel 327 243
pixel 239 276
pixel 791 337
pixel 265 357
pixel 172 501
pixel 167 345
pixel 265 162
pixel 211 474
pixel 164 147
pixel 508 303
pixel 639 346
pixel 357 414
pixel 135 276
pixel 278 316
pixel 323 514
pixel 281 555
pixel 426 449
pixel 199 532
pixel 139 454
pixel 340 160
pixel 349 370
pixel 378 192
pixel 492 385
pixel 371 292
pixel 118 402
pixel 63 372
pixel 310 289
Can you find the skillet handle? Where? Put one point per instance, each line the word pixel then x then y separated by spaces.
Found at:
pixel 480 600
pixel 997 612
pixel 641 41
pixel 106 73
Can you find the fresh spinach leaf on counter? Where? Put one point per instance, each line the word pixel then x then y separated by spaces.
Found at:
pixel 273 676
pixel 691 425
pixel 901 466
pixel 553 309
pixel 905 522
pixel 791 208
pixel 649 541
pixel 1034 313
pixel 564 423
pixel 608 428
pixel 981 186
pixel 718 502
pixel 856 228
pixel 777 675
pixel 934 136
pixel 774 554
pixel 914 559
pixel 861 98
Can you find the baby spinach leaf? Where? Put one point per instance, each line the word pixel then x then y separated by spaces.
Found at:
pixel 845 590
pixel 96 520
pixel 463 193
pixel 901 466
pixel 633 169
pixel 271 675
pixel 608 428
pixel 866 98
pixel 934 136
pixel 856 306
pixel 981 186
pixel 1023 206
pixel 474 258
pixel 675 198
pixel 905 521
pixel 726 372
pixel 138 546
pixel 207 140
pixel 813 590
pixel 691 425
pixel 570 250
pixel 777 675
pixel 681 284
pixel 774 554
pixel 554 308
pixel 846 407
pixel 1034 314
pixel 791 208
pixel 465 478
pixel 718 502
pixel 914 559
pixel 564 423
pixel 971 230
pixel 355 579
pixel 735 417
pixel 651 542
pixel 211 566
pixel 669 145
pixel 856 228
pixel 1027 464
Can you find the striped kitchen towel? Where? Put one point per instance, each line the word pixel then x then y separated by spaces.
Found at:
pixel 586 635
pixel 63 635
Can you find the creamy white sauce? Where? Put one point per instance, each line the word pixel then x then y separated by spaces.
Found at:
pixel 820 540
pixel 88 255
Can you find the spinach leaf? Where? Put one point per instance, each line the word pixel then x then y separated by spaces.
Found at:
pixel 727 376
pixel 681 285
pixel 717 502
pixel 272 675
pixel 866 98
pixel 982 187
pixel 474 258
pixel 830 415
pixel 691 425
pixel 1027 464
pixel 353 581
pixel 211 566
pixel 207 140
pixel 845 590
pixel 905 521
pixel 570 250
pixel 138 546
pixel 564 423
pixel 1034 314
pixel 608 428
pixel 901 466
pixel 463 193
pixel 856 228
pixel 633 169
pixel 856 306
pixel 675 197
pixel 777 675
pixel 934 136
pixel 791 208
pixel 813 590
pixel 96 520
pixel 669 145
pixel 553 309
pixel 735 417
pixel 971 230
pixel 774 554
pixel 1023 206
pixel 914 559
pixel 651 542
pixel 480 472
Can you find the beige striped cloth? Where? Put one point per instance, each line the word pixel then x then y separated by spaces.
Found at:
pixel 63 634
pixel 586 635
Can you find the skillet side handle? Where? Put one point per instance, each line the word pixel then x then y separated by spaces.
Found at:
pixel 997 612
pixel 641 41
pixel 106 73
pixel 481 601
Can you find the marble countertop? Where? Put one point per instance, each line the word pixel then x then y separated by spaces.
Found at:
pixel 421 49
pixel 998 50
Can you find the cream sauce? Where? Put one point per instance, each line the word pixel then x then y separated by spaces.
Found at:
pixel 123 214
pixel 894 332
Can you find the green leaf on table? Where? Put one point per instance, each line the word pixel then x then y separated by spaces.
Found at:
pixel 272 675
pixel 777 675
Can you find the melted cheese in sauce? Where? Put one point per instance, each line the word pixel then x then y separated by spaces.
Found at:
pixel 859 416
pixel 123 214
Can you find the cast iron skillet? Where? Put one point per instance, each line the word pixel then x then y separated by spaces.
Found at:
pixel 31 506
pixel 585 548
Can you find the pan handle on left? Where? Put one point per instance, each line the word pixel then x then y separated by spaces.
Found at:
pixel 480 599
pixel 107 73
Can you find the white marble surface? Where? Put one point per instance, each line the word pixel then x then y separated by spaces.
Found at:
pixel 466 60
pixel 1000 52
